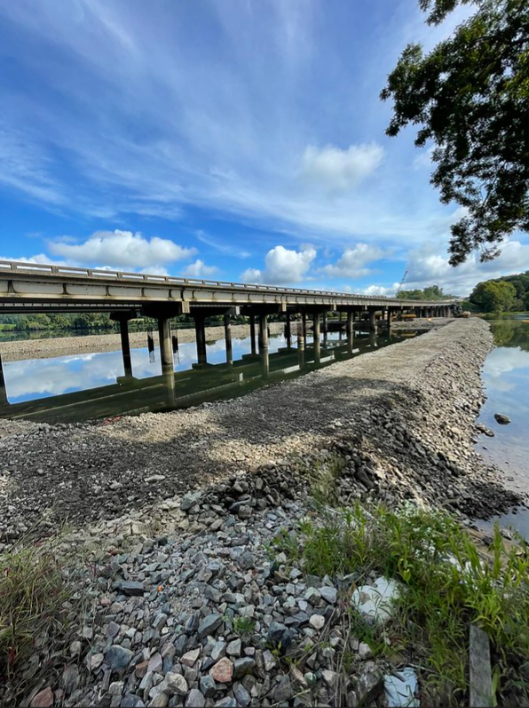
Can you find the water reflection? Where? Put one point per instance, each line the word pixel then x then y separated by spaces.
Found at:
pixel 84 386
pixel 506 379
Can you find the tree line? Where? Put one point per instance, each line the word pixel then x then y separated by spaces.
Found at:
pixel 507 294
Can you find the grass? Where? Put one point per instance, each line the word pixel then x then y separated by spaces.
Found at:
pixel 243 625
pixel 32 595
pixel 43 605
pixel 447 584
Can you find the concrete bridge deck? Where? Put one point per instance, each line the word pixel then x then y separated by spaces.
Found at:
pixel 33 287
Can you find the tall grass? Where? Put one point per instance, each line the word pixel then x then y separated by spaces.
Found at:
pixel 447 585
pixel 33 594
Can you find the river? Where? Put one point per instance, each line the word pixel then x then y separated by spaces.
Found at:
pixel 506 379
pixel 84 386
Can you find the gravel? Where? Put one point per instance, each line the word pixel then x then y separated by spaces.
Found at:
pixel 411 407
pixel 188 604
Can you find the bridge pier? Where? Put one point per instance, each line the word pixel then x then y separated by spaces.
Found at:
pixel 200 336
pixel 123 319
pixel 166 343
pixel 263 331
pixel 288 330
pixel 373 321
pixel 227 337
pixel 265 363
pixel 304 326
pixel 253 349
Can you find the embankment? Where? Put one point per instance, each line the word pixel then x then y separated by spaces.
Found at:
pixel 402 419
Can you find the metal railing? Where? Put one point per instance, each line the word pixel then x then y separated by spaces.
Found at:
pixel 14 267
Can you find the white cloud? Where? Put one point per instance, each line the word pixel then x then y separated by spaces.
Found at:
pixel 282 266
pixel 334 170
pixel 353 262
pixel 122 250
pixel 429 267
pixel 199 269
pixel 380 290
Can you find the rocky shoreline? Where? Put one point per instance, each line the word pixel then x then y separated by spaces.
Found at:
pixel 62 346
pixel 188 605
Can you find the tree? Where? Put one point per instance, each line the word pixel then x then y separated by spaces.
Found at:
pixel 470 97
pixel 493 295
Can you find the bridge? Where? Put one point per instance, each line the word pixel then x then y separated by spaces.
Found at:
pixel 40 288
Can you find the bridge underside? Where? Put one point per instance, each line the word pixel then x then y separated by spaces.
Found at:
pixel 26 289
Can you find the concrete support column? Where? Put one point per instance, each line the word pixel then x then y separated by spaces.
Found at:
pixel 388 317
pixel 200 332
pixel 340 321
pixel 301 349
pixel 265 363
pixel 316 326
pixel 349 327
pixel 373 321
pixel 166 344
pixel 125 344
pixel 263 331
pixel 252 334
pixel 288 332
pixel 304 326
pixel 227 337
pixel 325 325
pixel 175 341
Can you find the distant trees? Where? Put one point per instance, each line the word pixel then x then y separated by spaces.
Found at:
pixel 494 296
pixel 512 294
pixel 432 292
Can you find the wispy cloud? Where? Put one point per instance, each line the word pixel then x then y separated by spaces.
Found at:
pixel 222 246
pixel 152 111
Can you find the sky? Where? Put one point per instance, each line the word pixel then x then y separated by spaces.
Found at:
pixel 239 140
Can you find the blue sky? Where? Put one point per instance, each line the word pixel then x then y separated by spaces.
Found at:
pixel 234 140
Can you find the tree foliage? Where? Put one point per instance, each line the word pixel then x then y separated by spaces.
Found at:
pixel 470 97
pixel 494 295
pixel 432 292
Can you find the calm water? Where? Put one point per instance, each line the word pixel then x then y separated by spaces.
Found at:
pixel 86 386
pixel 506 377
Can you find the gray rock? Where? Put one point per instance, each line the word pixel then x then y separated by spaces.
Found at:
pixel 189 500
pixel 175 684
pixel 195 699
pixel 243 666
pixel 228 702
pixel 118 657
pixel 241 695
pixel 329 594
pixel 209 625
pixel 208 686
pixel 131 587
pixel 234 648
pixel 131 700
pixel 283 689
pixel 279 635
pixel 502 419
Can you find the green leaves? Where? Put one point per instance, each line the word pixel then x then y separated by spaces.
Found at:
pixel 470 97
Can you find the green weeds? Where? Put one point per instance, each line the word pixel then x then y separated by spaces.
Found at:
pixel 448 584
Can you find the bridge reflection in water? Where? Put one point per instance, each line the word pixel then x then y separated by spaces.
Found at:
pixel 190 385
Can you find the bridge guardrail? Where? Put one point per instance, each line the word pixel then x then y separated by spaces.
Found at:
pixel 100 274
